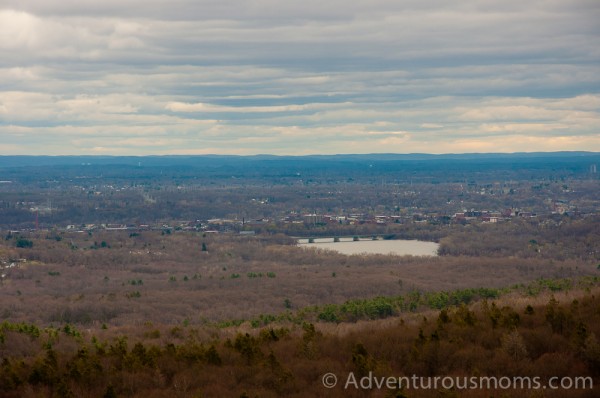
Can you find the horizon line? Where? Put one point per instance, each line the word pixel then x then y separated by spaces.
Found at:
pixel 309 155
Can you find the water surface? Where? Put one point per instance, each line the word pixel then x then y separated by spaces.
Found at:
pixel 399 247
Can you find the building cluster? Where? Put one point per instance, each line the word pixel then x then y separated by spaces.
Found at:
pixel 407 215
pixel 491 216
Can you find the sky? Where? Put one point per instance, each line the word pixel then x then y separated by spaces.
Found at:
pixel 155 77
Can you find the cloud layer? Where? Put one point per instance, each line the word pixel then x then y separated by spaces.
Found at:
pixel 266 76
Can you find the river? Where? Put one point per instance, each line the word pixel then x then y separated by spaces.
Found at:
pixel 399 247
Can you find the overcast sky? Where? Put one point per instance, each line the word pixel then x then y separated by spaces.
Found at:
pixel 138 77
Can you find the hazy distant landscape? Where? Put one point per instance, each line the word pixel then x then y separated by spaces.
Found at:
pixel 195 252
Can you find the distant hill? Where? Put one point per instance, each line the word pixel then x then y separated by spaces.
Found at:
pixel 198 160
pixel 269 169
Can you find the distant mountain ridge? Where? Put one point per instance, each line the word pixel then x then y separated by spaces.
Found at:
pixel 168 160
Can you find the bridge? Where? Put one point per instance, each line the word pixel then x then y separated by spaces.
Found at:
pixel 342 238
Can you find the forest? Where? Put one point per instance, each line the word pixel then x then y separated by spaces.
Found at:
pixel 551 335
pixel 182 276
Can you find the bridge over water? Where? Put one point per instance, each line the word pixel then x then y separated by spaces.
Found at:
pixel 340 238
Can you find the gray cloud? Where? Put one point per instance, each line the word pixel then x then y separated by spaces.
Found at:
pixel 260 76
